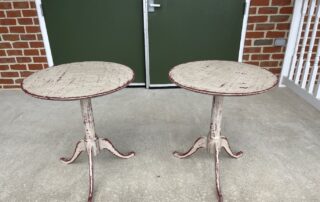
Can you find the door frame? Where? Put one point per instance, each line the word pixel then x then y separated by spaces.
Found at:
pixel 147 84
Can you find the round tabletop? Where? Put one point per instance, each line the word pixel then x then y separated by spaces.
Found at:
pixel 80 80
pixel 224 78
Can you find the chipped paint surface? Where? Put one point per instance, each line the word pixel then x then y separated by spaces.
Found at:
pixel 78 80
pixel 227 78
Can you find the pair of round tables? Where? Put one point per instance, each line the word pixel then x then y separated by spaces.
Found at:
pixel 86 80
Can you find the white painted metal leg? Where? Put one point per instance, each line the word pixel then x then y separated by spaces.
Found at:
pixel 214 142
pixel 80 147
pixel 92 144
pixel 106 144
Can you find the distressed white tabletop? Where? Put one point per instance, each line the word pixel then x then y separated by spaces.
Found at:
pixel 78 80
pixel 216 77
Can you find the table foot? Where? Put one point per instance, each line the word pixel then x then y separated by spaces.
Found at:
pixel 107 144
pixel 91 179
pixel 225 144
pixel 217 173
pixel 80 147
pixel 201 142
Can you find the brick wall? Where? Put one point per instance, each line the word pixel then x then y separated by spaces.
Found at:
pixel 22 50
pixel 268 20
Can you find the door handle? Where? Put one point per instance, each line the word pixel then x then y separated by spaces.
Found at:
pixel 152 5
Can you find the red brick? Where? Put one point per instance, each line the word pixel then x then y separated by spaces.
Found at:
pixel 13 13
pixel 275 70
pixel 31 52
pixel 39 37
pixel 268 10
pixel 276 34
pixel 25 21
pixel 14 52
pixel 35 66
pixel 39 59
pixel 252 50
pixel 10 37
pixel 17 29
pixel 29 13
pixel 260 57
pixel 252 11
pixel 272 49
pixel 4 45
pixel 6 81
pixel 254 34
pixel 18 81
pixel 269 64
pixel 25 73
pixel 250 27
pixel 3 53
pixel 28 37
pixel 9 74
pixel 5 5
pixel 36 44
pixel 255 19
pixel 21 4
pixel 281 2
pixel 42 52
pixel 4 67
pixel 36 21
pixel 278 56
pixel 7 21
pixel 279 18
pixel 286 10
pixel 264 26
pixel 4 30
pixel 32 4
pixel 11 86
pixel 2 15
pixel 247 42
pixel 7 60
pixel 259 2
pixel 283 26
pixel 23 59
pixel 18 67
pixel 20 45
pixel 252 63
pixel 33 29
pixel 245 57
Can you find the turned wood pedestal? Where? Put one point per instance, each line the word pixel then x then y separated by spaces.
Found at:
pixel 82 81
pixel 219 79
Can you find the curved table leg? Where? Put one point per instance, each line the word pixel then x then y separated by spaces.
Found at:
pixel 225 144
pixel 217 171
pixel 201 142
pixel 106 144
pixel 91 179
pixel 80 147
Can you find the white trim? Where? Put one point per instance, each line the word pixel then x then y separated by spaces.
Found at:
pixel 146 41
pixel 162 85
pixel 244 30
pixel 294 34
pixel 137 84
pixel 44 32
pixel 301 92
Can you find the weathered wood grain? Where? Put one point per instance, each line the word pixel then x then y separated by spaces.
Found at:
pixel 226 78
pixel 79 80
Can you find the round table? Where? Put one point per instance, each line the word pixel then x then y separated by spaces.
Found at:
pixel 82 81
pixel 219 79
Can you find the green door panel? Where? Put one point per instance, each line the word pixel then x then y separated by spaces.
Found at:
pixel 188 30
pixel 104 30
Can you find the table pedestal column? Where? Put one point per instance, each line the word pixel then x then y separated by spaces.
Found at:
pixel 91 143
pixel 213 142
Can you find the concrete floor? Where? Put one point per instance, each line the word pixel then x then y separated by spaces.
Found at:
pixel 278 132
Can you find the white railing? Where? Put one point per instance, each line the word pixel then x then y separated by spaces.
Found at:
pixel 300 67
